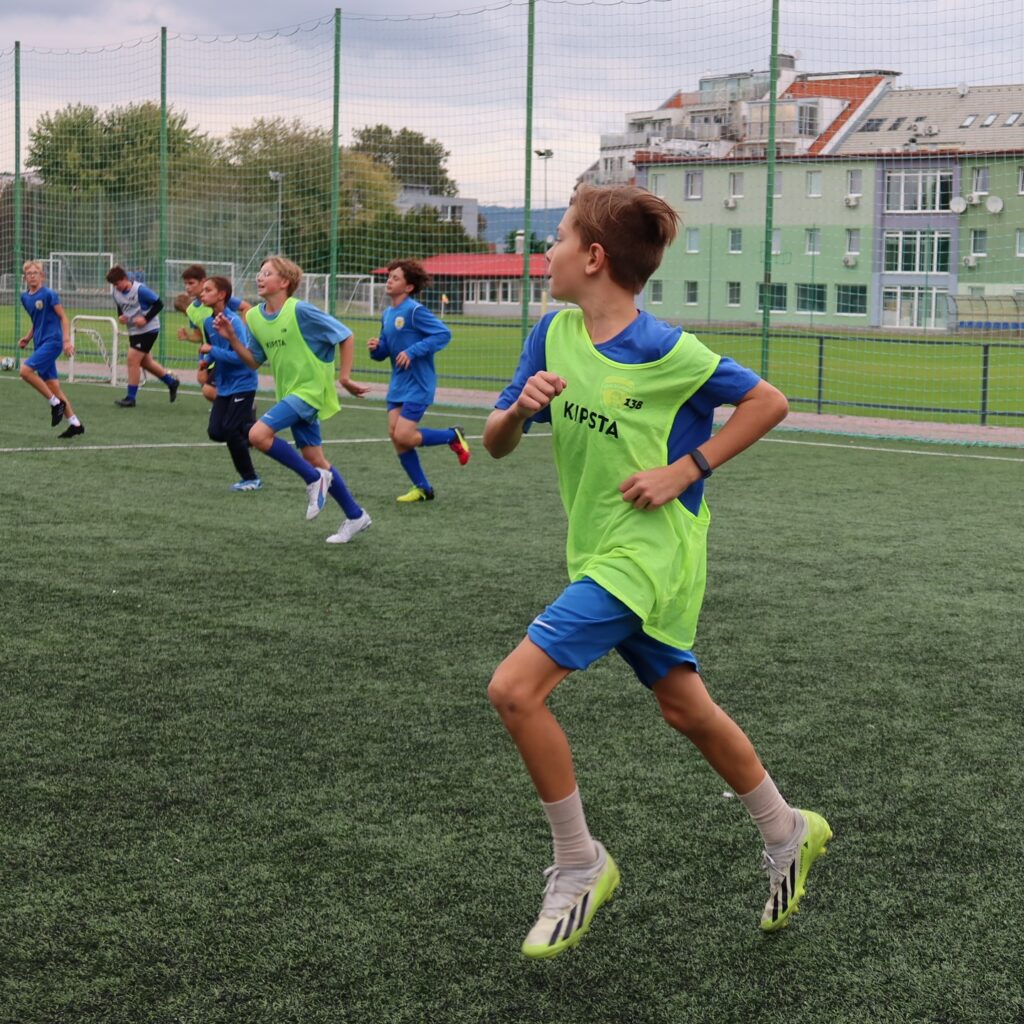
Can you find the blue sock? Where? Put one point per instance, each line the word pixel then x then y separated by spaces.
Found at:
pixel 133 390
pixel 168 379
pixel 343 496
pixel 281 451
pixel 434 437
pixel 411 464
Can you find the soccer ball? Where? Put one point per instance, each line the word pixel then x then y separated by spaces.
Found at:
pixel 7 363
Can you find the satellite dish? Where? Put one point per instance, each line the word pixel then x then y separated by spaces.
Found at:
pixel 994 204
pixel 958 204
pixel 963 88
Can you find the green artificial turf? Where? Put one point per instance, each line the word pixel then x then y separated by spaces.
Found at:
pixel 249 777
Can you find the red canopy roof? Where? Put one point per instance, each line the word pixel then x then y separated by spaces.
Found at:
pixel 480 264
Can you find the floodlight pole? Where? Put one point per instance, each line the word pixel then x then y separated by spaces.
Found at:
pixel 545 155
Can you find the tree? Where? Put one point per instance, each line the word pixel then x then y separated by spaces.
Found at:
pixel 411 157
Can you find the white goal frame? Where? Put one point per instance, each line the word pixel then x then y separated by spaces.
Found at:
pixel 347 288
pixel 81 325
pixel 57 261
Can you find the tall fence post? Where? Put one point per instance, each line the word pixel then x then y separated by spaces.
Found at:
pixel 332 285
pixel 821 372
pixel 769 200
pixel 524 306
pixel 983 404
pixel 16 249
pixel 161 285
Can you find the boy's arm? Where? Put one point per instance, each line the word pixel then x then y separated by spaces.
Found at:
pixel 436 335
pixel 504 428
pixel 760 409
pixel 226 329
pixel 65 326
pixel 346 352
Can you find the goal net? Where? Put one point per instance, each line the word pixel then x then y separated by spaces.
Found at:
pixel 172 283
pixel 96 349
pixel 358 293
pixel 79 278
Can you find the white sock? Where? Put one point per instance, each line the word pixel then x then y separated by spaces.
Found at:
pixel 776 820
pixel 569 832
pixel 54 401
pixel 74 421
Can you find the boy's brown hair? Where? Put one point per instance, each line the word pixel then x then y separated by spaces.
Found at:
pixel 222 284
pixel 632 225
pixel 182 301
pixel 291 272
pixel 194 272
pixel 115 274
pixel 414 273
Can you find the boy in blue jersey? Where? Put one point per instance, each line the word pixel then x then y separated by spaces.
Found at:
pixel 299 341
pixel 231 417
pixel 630 400
pixel 51 334
pixel 138 308
pixel 410 337
pixel 197 312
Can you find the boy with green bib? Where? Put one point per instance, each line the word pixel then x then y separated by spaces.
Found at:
pixel 299 342
pixel 630 400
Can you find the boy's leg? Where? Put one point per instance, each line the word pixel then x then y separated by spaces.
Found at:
pixel 793 839
pixel 74 427
pixel 134 376
pixel 357 518
pixel 155 368
pixel 405 436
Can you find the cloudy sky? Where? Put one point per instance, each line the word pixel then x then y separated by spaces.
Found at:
pixel 456 72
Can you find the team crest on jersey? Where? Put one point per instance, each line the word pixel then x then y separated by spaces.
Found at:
pixel 615 391
pixel 39 303
pixel 399 322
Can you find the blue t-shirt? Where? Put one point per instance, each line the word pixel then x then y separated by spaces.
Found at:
pixel 46 325
pixel 233 375
pixel 321 332
pixel 411 328
pixel 643 341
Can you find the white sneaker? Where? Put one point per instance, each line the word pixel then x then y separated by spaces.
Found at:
pixel 316 492
pixel 349 528
pixel 571 898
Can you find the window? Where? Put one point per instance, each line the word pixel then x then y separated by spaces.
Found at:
pixel 510 290
pixel 812 241
pixel 979 241
pixel 814 183
pixel 914 307
pixel 917 191
pixel 732 288
pixel 807 119
pixel 735 239
pixel 658 185
pixel 1012 120
pixel 872 124
pixel 776 297
pixel 810 298
pixel 1020 241
pixel 450 214
pixel 693 185
pixel 853 240
pixel 916 252
pixel 657 292
pixel 1020 181
pixel 979 180
pixel 855 181
pixel 693 239
pixel 691 293
pixel 736 184
pixel 537 289
pixel 989 121
pixel 896 123
pixel 777 194
pixel 776 241
pixel 852 299
pixel 968 120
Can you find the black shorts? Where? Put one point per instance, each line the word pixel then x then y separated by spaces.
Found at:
pixel 231 415
pixel 143 342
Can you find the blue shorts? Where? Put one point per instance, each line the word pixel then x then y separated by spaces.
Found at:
pixel 412 411
pixel 44 359
pixel 586 622
pixel 300 416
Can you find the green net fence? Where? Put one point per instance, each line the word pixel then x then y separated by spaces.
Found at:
pixel 857 234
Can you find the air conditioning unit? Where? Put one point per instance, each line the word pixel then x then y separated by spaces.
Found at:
pixel 973 198
pixel 850 259
pixel 931 130
pixel 729 203
pixel 852 200
pixel 970 261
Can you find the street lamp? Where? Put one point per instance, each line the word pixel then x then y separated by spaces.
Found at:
pixel 545 155
pixel 278 178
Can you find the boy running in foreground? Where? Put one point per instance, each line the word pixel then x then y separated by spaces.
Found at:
pixel 630 400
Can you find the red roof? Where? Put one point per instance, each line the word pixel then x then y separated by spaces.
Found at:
pixel 480 264
pixel 856 90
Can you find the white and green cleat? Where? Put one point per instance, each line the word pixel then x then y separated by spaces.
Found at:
pixel 786 877
pixel 571 898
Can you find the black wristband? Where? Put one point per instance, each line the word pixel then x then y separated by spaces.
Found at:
pixel 702 464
